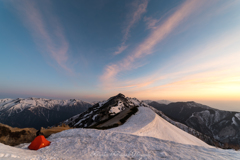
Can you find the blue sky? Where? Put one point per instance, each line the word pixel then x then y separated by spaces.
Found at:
pixel 149 49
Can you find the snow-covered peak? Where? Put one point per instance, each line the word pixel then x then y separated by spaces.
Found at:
pixel 3 103
pixel 134 101
pixel 103 111
pixel 39 112
pixel 19 104
pixel 237 115
pixel 116 109
pixel 102 103
pixel 5 100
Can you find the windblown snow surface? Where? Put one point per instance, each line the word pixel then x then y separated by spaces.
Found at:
pixel 144 136
pixel 148 123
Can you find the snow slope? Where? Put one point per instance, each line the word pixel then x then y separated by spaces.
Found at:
pixel 148 123
pixel 104 144
pixel 222 126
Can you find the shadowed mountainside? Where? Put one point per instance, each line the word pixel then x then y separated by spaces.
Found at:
pixel 221 125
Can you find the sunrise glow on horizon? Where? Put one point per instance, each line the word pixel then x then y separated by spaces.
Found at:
pixel 149 49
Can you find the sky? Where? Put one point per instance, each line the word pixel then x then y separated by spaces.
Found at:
pixel 178 50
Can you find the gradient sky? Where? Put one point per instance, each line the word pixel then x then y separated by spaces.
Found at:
pixel 148 49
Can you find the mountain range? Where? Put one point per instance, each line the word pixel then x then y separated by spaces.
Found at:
pixel 123 128
pixel 215 127
pixel 38 112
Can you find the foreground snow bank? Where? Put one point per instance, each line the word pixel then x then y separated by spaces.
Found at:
pixel 104 144
pixel 144 136
pixel 148 123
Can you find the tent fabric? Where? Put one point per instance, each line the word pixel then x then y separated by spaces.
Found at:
pixel 39 142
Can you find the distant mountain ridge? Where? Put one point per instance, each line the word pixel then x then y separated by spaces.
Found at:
pixel 38 112
pixel 223 126
pixel 159 101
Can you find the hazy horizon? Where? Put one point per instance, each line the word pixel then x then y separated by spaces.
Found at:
pixel 183 50
pixel 218 104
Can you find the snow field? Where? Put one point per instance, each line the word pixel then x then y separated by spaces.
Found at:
pixel 148 123
pixel 103 144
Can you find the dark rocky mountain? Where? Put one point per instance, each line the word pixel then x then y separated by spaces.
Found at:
pixel 223 126
pixel 106 114
pixel 38 112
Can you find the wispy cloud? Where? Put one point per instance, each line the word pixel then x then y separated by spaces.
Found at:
pixel 213 72
pixel 121 49
pixel 151 22
pixel 145 48
pixel 140 9
pixel 52 42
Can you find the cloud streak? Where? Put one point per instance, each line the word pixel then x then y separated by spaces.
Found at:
pixel 121 48
pixel 53 42
pixel 151 22
pixel 135 17
pixel 145 48
pixel 212 72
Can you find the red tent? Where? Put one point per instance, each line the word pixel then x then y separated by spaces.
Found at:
pixel 39 142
